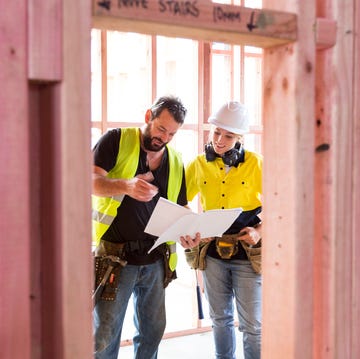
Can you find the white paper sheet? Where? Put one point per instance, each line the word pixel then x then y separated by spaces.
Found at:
pixel 169 221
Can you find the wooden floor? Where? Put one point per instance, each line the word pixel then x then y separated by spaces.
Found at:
pixel 195 346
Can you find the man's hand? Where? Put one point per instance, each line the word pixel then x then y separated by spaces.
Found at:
pixel 140 189
pixel 188 242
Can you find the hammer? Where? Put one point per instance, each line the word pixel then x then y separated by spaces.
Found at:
pixel 113 262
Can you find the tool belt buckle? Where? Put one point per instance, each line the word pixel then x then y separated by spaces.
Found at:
pixel 226 247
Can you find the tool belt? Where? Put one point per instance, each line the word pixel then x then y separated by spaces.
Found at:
pixel 133 248
pixel 254 255
pixel 115 254
pixel 226 247
pixel 195 257
pixel 108 262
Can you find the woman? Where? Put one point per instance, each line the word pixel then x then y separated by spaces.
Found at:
pixel 228 176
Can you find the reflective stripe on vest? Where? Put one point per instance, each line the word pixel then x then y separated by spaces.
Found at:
pixel 105 208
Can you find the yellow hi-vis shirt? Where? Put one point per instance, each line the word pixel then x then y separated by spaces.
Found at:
pixel 218 189
pixel 105 208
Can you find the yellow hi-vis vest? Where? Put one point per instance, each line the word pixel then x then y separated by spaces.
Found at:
pixel 104 209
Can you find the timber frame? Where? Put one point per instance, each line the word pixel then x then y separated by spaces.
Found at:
pixel 311 258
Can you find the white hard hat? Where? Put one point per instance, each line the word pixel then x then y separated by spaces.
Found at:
pixel 233 117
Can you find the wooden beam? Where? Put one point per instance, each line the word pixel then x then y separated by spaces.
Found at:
pixel 198 20
pixel 45 42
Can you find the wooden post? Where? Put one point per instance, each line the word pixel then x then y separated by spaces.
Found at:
pixel 15 186
pixel 71 172
pixel 289 74
pixel 342 320
pixel 324 194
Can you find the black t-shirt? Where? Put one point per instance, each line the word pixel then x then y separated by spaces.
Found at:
pixel 133 216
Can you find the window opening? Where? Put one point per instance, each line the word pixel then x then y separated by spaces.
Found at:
pixel 129 70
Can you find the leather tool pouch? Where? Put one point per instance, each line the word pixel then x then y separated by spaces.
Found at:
pixel 226 246
pixel 169 275
pixel 226 250
pixel 254 255
pixel 105 253
pixel 192 257
pixel 195 257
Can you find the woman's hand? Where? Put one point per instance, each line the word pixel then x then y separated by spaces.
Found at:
pixel 250 235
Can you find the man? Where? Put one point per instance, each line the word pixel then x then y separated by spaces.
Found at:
pixel 228 176
pixel 132 168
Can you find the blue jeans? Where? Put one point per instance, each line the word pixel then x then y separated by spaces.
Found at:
pixel 224 280
pixel 146 284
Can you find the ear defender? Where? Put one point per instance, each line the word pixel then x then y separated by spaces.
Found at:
pixel 230 158
pixel 210 153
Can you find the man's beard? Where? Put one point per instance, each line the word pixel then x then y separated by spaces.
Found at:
pixel 148 141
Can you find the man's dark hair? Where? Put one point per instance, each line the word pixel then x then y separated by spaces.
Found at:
pixel 172 104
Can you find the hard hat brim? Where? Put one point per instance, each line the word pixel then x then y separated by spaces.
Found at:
pixel 237 131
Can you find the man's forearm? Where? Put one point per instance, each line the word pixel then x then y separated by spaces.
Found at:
pixel 107 187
